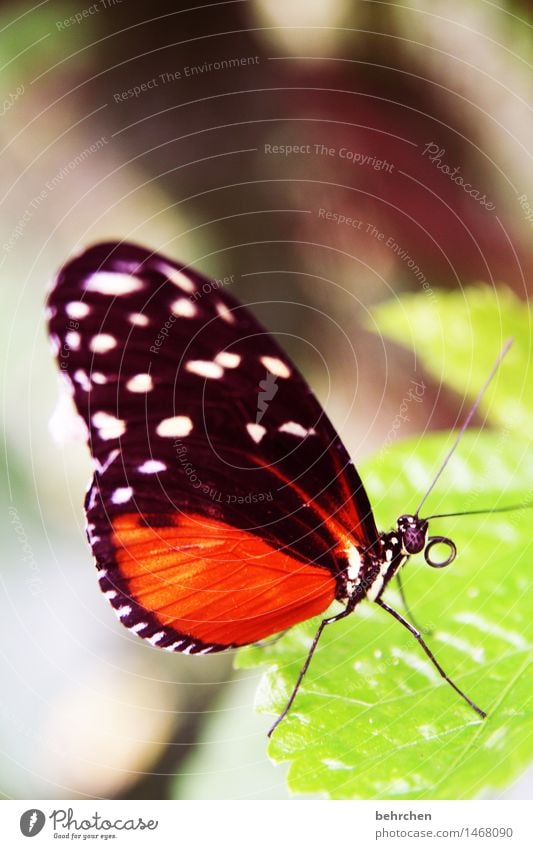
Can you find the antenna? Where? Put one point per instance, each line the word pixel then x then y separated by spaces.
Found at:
pixel 481 512
pixel 467 421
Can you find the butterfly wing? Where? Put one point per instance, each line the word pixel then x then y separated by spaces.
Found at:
pixel 224 506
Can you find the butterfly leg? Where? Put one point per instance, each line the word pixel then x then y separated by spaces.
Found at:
pixel 424 631
pixel 305 667
pixel 436 664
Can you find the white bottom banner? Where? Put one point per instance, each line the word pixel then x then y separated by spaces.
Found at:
pixel 263 825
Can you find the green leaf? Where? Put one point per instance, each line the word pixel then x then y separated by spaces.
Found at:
pixel 458 335
pixel 372 718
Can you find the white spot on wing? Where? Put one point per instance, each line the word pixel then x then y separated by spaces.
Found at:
pixel 139 626
pixel 156 638
pixel 103 467
pixel 92 498
pixel 98 377
pixel 183 308
pixel 225 313
pixel 77 309
pixel 173 646
pixel 109 427
pixel 151 467
pixel 80 376
pixel 256 431
pixel 227 359
pixel 113 283
pixel 296 429
pixel 102 343
pixel 139 319
pixel 140 383
pixel 123 611
pixel 177 277
pixel 205 368
pixel 276 366
pixel 122 495
pixel 73 340
pixel 175 426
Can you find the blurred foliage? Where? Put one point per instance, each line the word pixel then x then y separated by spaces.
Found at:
pixel 228 761
pixel 372 718
pixel 444 329
pixel 27 42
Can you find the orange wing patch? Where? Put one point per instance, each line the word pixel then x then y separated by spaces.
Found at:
pixel 214 582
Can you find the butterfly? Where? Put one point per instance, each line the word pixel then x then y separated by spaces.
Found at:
pixel 224 508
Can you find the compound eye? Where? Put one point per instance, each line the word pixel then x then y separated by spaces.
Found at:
pixel 414 540
pixel 452 551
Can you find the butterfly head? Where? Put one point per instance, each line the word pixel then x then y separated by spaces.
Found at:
pixel 413 533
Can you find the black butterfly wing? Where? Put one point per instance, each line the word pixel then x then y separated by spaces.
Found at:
pixel 224 506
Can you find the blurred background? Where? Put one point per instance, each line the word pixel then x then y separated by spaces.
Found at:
pixel 329 154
